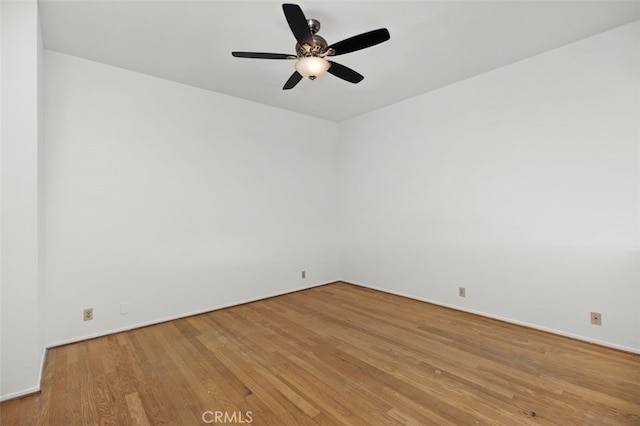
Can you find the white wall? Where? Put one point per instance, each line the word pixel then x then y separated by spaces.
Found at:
pixel 21 344
pixel 521 185
pixel 176 200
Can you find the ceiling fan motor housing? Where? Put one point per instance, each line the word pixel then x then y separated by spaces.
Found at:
pixel 319 46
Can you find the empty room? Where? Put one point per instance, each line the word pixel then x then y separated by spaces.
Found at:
pixel 320 213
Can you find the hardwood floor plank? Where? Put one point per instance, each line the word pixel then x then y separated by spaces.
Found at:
pixel 282 408
pixel 312 389
pixel 334 354
pixel 136 410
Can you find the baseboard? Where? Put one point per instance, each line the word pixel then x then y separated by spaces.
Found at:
pixel 43 362
pixel 20 394
pixel 505 319
pixel 175 317
pixel 37 389
pixel 29 391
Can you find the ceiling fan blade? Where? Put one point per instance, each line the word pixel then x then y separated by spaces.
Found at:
pixel 293 80
pixel 345 73
pixel 297 23
pixel 361 41
pixel 260 55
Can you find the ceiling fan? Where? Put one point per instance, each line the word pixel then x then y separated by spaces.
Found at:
pixel 311 49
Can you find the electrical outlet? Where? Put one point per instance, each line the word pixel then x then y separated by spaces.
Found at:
pixel 124 308
pixel 87 314
pixel 596 318
pixel 304 274
pixel 462 292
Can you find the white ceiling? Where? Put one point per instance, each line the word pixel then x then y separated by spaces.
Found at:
pixel 433 43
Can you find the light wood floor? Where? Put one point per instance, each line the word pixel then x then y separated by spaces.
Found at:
pixel 336 354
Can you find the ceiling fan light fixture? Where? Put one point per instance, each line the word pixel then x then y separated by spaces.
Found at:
pixel 312 67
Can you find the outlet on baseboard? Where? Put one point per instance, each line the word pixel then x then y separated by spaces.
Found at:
pixel 462 292
pixel 596 318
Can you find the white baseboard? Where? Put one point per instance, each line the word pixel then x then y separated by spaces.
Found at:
pixel 20 394
pixel 505 319
pixel 31 390
pixel 36 389
pixel 175 317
